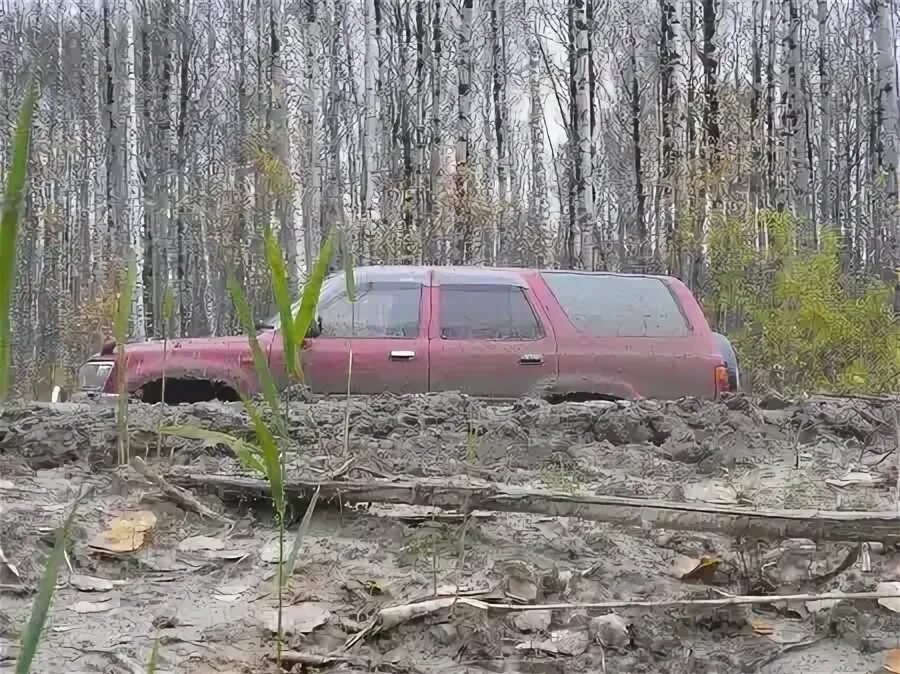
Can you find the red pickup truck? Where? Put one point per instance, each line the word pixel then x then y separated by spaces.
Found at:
pixel 483 331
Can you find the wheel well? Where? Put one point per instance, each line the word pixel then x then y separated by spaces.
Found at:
pixel 183 391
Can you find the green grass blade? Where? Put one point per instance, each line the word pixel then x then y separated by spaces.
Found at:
pixel 349 277
pixel 31 637
pixel 248 453
pixel 153 662
pixel 120 332
pixel 301 533
pixel 282 291
pixel 271 457
pixel 168 303
pixel 309 301
pixel 260 362
pixel 13 197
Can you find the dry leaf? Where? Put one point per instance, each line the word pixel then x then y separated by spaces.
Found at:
pixel 857 478
pixel 610 630
pixel 545 645
pixel 226 555
pixel 90 583
pixel 816 605
pixel 230 593
pixel 533 621
pixel 570 642
pixel 780 631
pixel 94 606
pixel 522 589
pixel 688 568
pixel 269 552
pixel 9 565
pixel 198 543
pixel 126 533
pixel 890 603
pixel 892 661
pixel 761 626
pixel 298 619
pixel 711 491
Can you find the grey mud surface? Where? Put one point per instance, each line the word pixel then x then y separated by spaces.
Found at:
pixel 209 605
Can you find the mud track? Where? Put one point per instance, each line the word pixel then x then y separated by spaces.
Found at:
pixel 204 587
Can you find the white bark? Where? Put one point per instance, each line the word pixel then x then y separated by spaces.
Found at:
pixel 885 46
pixel 135 208
pixel 370 126
pixel 585 202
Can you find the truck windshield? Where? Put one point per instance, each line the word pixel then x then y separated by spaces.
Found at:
pixel 328 286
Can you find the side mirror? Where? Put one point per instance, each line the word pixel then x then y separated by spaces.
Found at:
pixel 315 328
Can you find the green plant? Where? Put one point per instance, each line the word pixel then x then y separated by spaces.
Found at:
pixel 9 222
pixel 265 457
pixel 153 662
pixel 793 312
pixel 350 282
pixel 31 637
pixel 168 310
pixel 120 332
pixel 260 361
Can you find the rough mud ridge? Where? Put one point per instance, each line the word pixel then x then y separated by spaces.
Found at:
pixel 438 434
pixel 205 587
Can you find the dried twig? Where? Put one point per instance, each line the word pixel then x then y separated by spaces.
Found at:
pixel 181 496
pixel 317 660
pixel 392 616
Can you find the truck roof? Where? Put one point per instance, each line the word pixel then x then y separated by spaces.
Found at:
pixel 437 275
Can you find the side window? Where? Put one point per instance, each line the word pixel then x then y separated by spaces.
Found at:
pixel 380 310
pixel 487 312
pixel 609 305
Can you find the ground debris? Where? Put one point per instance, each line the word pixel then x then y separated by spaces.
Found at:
pixel 126 533
pixel 90 583
pixel 680 575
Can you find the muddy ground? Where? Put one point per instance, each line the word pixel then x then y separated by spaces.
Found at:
pixel 205 589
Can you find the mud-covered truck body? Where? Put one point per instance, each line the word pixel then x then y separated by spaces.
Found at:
pixel 484 331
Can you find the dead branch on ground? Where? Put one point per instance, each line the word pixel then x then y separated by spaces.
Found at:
pixel 735 521
pixel 180 496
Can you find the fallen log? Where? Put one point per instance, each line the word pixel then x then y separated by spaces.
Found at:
pixel 818 525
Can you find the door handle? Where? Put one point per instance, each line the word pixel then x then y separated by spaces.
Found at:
pixel 403 355
pixel 531 359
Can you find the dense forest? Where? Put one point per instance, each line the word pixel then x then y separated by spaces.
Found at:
pixel 750 148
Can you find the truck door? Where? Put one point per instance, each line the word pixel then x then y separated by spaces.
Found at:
pixel 386 327
pixel 489 339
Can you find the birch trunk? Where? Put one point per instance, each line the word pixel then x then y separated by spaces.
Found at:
pixel 885 46
pixel 463 131
pixel 370 127
pixel 584 140
pixel 533 245
pixel 135 199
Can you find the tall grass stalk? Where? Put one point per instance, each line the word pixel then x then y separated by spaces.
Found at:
pixel 260 360
pixel 265 456
pixel 31 637
pixel 120 332
pixel 168 310
pixel 13 197
pixel 350 283
pixel 153 662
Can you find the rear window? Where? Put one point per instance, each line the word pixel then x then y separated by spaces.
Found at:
pixel 618 306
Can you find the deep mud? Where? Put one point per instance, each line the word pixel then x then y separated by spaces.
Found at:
pixel 208 600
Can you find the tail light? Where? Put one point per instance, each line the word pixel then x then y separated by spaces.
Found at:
pixel 722 384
